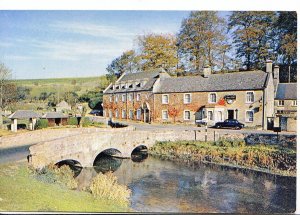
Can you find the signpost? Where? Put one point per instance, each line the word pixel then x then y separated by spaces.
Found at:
pixel 277 129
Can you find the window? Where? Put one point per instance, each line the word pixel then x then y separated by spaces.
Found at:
pixel 138 97
pixel 187 98
pixel 210 115
pixel 249 97
pixel 110 113
pixel 123 98
pixel 123 114
pixel 164 114
pixel 280 102
pixel 294 102
pixel 117 114
pixel 212 98
pixel 138 114
pixel 116 98
pixel 187 115
pixel 110 98
pixel 249 116
pixel 130 97
pixel 131 114
pixel 165 99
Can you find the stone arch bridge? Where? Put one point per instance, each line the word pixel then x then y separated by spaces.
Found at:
pixel 85 147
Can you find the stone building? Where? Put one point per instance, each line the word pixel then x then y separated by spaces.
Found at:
pixel 62 107
pixel 157 97
pixel 55 119
pixel 286 106
pixel 24 115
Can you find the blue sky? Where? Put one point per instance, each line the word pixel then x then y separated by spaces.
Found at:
pixel 49 44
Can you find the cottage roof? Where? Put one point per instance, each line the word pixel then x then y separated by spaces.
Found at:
pixel 251 80
pixel 286 91
pixel 62 104
pixel 24 114
pixel 54 115
pixel 132 78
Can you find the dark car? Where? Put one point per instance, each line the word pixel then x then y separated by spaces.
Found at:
pixel 97 112
pixel 230 123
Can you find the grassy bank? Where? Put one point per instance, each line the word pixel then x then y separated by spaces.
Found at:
pixel 21 191
pixel 272 159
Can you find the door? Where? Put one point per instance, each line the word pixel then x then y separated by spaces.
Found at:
pixel 146 115
pixel 230 114
pixel 283 123
pixel 270 123
pixel 57 121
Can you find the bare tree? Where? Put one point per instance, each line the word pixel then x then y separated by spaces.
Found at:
pixel 7 90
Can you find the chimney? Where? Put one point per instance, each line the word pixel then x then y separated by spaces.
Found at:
pixel 268 66
pixel 163 74
pixel 276 72
pixel 206 71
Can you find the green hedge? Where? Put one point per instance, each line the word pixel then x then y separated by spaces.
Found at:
pixel 41 123
pixel 72 121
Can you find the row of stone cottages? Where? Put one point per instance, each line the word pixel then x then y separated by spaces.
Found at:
pixel 255 98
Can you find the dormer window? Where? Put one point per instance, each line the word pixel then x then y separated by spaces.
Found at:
pixel 130 86
pixel 138 85
pixel 117 87
pixel 123 87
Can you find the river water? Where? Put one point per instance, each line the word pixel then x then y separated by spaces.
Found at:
pixel 165 186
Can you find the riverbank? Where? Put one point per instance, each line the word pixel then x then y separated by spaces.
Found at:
pixel 20 191
pixel 233 153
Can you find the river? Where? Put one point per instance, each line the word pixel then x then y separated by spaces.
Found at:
pixel 165 186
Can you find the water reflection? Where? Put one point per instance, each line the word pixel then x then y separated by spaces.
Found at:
pixel 107 163
pixel 164 186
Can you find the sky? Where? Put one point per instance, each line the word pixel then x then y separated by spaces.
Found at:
pixel 56 44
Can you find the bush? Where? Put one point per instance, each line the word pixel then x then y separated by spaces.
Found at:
pixel 86 122
pixel 72 121
pixel 41 123
pixel 105 186
pixel 52 174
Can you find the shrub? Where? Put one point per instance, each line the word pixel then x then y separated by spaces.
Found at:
pixel 86 122
pixel 41 123
pixel 106 186
pixel 72 121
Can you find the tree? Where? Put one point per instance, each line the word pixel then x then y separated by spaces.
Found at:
pixel 23 93
pixel 71 98
pixel 158 51
pixel 252 36
pixel 43 96
pixel 127 62
pixel 286 31
pixel 201 39
pixel 8 90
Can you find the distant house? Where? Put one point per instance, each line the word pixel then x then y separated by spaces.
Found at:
pixel 55 118
pixel 286 106
pixel 62 106
pixel 24 114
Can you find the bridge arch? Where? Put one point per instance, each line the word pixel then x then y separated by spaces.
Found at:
pixel 74 165
pixel 107 160
pixel 139 153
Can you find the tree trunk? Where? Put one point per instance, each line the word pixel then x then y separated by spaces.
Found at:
pixel 1 119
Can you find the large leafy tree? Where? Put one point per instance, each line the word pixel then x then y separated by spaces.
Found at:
pixel 8 90
pixel 127 62
pixel 158 51
pixel 252 36
pixel 201 40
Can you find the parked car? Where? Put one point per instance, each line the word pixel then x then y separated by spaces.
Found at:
pixel 97 112
pixel 230 123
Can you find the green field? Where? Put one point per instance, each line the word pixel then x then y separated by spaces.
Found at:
pixel 62 85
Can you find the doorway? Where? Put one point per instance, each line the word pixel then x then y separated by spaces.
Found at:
pixel 283 123
pixel 230 114
pixel 146 115
pixel 57 121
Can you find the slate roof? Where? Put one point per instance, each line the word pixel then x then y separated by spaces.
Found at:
pixel 24 114
pixel 251 80
pixel 54 115
pixel 150 76
pixel 286 91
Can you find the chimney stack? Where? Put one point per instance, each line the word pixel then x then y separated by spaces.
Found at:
pixel 276 72
pixel 206 71
pixel 268 66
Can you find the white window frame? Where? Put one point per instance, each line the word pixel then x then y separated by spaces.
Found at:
pixel 209 98
pixel 123 114
pixel 117 113
pixel 123 97
pixel 131 114
pixel 212 115
pixel 162 115
pixel 250 102
pixel 162 99
pixel 116 98
pixel 110 114
pixel 280 103
pixel 184 100
pixel 138 114
pixel 184 117
pixel 110 98
pixel 130 97
pixel 294 103
pixel 248 119
pixel 138 97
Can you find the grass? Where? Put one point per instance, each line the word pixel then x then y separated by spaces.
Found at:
pixel 272 159
pixel 19 191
